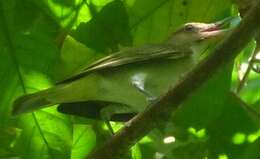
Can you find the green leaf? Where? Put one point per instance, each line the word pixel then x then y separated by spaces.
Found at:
pixel 84 140
pixel 28 52
pixel 229 134
pixel 206 103
pixel 107 29
pixel 45 134
pixel 154 20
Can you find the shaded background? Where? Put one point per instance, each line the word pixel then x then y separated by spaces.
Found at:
pixel 44 41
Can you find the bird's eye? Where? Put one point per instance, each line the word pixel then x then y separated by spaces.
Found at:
pixel 189 28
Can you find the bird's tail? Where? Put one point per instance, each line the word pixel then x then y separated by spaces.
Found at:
pixel 84 88
pixel 30 102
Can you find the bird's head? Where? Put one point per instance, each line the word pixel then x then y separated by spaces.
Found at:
pixel 196 36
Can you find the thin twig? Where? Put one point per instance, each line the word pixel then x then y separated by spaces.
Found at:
pixel 256 69
pixel 248 69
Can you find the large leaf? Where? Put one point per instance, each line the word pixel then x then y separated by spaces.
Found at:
pixel 107 29
pixel 28 50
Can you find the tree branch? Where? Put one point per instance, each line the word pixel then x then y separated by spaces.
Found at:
pixel 161 111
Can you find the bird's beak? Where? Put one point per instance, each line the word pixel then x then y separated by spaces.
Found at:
pixel 216 29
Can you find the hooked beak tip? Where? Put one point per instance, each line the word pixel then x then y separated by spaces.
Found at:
pixel 224 22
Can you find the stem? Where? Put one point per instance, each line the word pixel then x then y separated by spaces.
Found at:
pixel 248 69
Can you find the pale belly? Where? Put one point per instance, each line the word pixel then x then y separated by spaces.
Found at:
pixel 134 85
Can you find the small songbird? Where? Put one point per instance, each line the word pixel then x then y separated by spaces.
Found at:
pixel 126 82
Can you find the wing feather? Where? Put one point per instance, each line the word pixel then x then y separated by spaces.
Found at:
pixel 133 55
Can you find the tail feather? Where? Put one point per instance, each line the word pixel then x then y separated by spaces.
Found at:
pixel 82 89
pixel 29 103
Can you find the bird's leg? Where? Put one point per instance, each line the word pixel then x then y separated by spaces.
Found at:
pixel 108 111
pixel 150 98
pixel 138 82
pixel 109 126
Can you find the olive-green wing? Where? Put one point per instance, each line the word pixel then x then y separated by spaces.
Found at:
pixel 133 55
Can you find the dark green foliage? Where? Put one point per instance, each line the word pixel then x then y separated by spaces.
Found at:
pixel 107 29
pixel 35 49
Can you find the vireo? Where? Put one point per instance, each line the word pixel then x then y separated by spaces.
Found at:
pixel 124 83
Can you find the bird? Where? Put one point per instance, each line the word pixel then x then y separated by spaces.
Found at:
pixel 120 85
